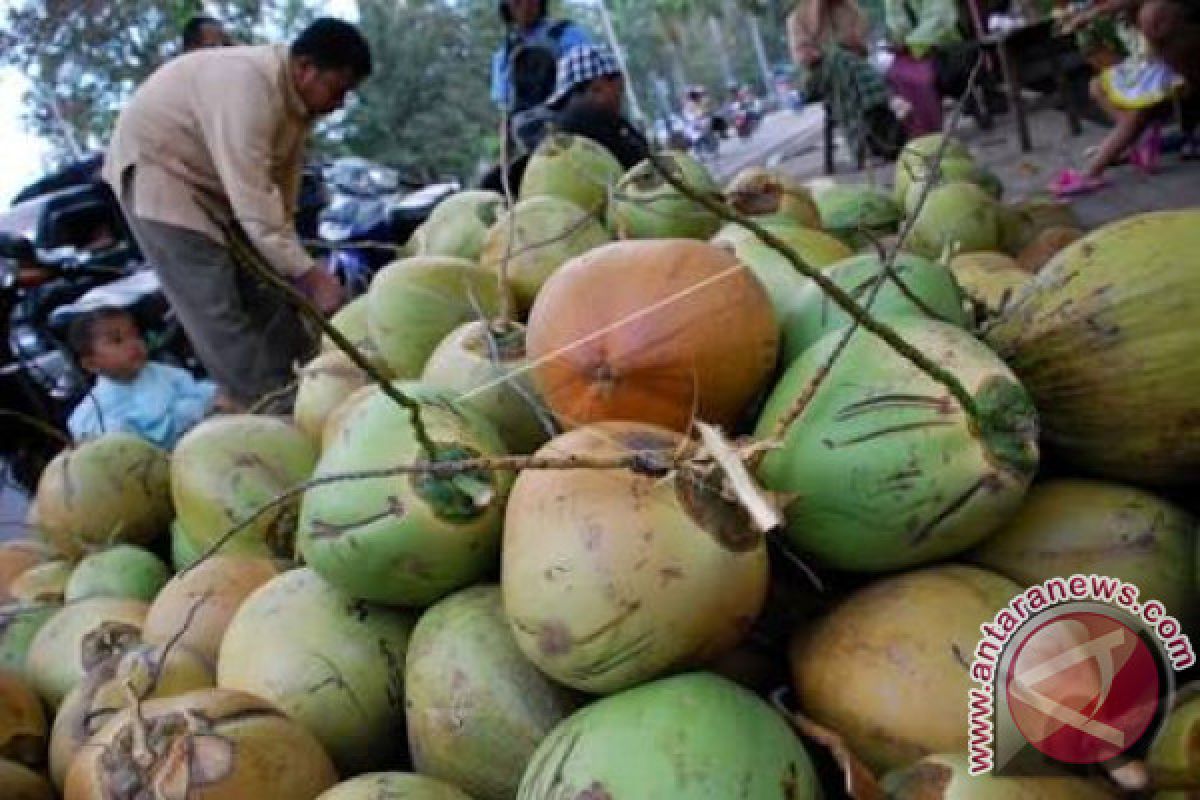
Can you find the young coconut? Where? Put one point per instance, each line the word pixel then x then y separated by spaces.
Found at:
pixel 339 674
pixel 226 468
pixel 1104 340
pixel 325 383
pixel 1174 758
pixel 503 706
pixel 488 371
pixel 19 782
pixel 43 583
pixel 537 237
pixel 121 571
pixel 958 216
pixel 989 280
pixel 414 303
pixel 672 738
pixel 79 637
pixel 574 168
pixel 214 743
pixel 914 287
pixel 23 728
pixel 195 607
pixel 1020 224
pixel 783 282
pixel 693 571
pixel 888 668
pixel 888 470
pixel 458 225
pixel 333 423
pixel 399 785
pixel 1069 527
pixel 146 671
pixel 407 539
pixel 114 488
pixel 917 158
pixel 759 192
pixel 952 170
pixel 857 214
pixel 945 776
pixel 19 624
pixel 351 322
pixel 184 550
pixel 693 335
pixel 16 556
pixel 1045 246
pixel 646 206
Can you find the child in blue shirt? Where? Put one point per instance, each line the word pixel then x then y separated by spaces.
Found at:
pixel 133 395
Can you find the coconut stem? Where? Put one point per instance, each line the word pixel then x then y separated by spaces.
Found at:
pixel 831 289
pixel 245 255
pixel 765 515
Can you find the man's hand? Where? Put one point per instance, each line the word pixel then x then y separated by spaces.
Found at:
pixel 322 288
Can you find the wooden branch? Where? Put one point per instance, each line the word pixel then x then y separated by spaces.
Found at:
pixel 767 518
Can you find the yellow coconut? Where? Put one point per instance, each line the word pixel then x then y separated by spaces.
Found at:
pixel 944 776
pixel 23 728
pixel 758 191
pixel 888 668
pixel 990 280
pixel 325 383
pixel 1105 341
pixel 1045 246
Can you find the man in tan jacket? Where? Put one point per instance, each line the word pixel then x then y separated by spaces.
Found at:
pixel 225 129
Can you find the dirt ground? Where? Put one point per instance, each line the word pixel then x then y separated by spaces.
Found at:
pixel 1177 184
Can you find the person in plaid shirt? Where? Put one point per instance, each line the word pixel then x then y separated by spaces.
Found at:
pixel 588 98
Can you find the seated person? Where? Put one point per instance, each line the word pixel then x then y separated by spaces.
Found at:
pixel 828 39
pixel 586 102
pixel 919 30
pixel 158 402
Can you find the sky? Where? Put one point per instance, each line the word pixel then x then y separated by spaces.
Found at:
pixel 22 155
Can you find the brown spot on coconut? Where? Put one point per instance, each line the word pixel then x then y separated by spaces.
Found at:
pixel 325 382
pixel 210 594
pixel 757 191
pixel 23 728
pixel 225 744
pixel 615 340
pixel 944 776
pixel 1045 246
pixel 990 280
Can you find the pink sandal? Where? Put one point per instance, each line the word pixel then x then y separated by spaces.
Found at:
pixel 1072 182
pixel 1145 154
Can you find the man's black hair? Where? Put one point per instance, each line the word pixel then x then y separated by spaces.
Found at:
pixel 506 12
pixel 334 44
pixel 81 333
pixel 194 29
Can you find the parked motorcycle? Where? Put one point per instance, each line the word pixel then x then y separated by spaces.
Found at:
pixel 372 212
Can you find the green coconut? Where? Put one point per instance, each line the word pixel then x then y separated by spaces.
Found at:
pixel 1174 756
pixel 225 469
pixel 1105 342
pixel 887 469
pixel 77 638
pixel 333 664
pixel 1067 527
pixel 646 206
pixel 325 383
pixel 989 280
pixel 672 738
pixel 693 572
pixel 184 550
pixel 121 571
pixel 110 489
pixel 19 782
pixel 537 237
pixel 457 226
pixel 952 170
pixel 574 168
pixel 945 776
pixel 351 322
pixel 405 539
pixel 856 214
pixel 888 667
pixel 503 706
pixel 19 623
pixel 493 378
pixel 783 282
pixel 916 158
pixel 393 786
pixel 957 216
pixel 758 192
pixel 42 583
pixel 915 287
pixel 1021 223
pixel 414 303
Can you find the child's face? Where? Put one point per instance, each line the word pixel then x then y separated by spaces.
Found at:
pixel 118 351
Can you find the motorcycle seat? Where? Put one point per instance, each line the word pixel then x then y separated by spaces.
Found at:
pixel 125 292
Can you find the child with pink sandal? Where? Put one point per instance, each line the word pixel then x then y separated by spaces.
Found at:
pixel 1132 93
